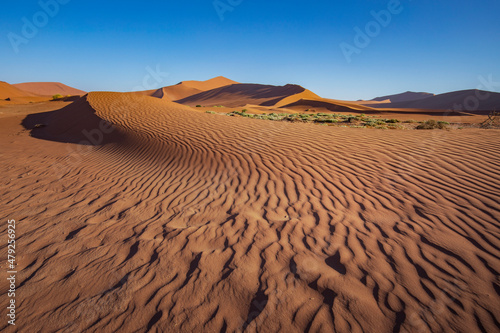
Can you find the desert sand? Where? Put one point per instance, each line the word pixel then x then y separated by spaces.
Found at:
pixel 177 220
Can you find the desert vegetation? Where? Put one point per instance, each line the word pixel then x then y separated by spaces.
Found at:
pixel 340 120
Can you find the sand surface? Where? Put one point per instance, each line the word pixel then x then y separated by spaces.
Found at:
pixel 177 220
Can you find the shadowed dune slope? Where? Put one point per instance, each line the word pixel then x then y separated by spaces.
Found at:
pixel 290 95
pixel 75 123
pixel 465 100
pixel 329 105
pixel 242 94
pixel 49 88
pixel 403 97
pixel 196 222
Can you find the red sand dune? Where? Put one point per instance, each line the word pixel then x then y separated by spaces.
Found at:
pixel 243 94
pixel 49 88
pixel 288 96
pixel 11 91
pixel 187 88
pixel 326 104
pixel 214 83
pixel 403 97
pixel 184 221
pixel 465 100
pixel 179 91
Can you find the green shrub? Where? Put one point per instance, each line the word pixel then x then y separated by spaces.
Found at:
pixel 56 97
pixel 198 106
pixel 392 121
pixel 211 112
pixel 432 124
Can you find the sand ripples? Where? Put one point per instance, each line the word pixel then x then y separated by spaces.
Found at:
pixel 203 222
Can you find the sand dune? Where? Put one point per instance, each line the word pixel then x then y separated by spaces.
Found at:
pixel 403 97
pixel 11 95
pixel 288 96
pixel 465 100
pixel 183 221
pixel 11 91
pixel 156 93
pixel 216 82
pixel 328 105
pixel 179 91
pixel 187 88
pixel 49 88
pixel 243 94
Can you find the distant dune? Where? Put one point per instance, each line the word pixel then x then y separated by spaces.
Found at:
pixel 323 103
pixel 187 88
pixel 174 220
pixel 49 88
pixel 465 100
pixel 214 83
pixel 288 96
pixel 11 91
pixel 242 94
pixel 404 97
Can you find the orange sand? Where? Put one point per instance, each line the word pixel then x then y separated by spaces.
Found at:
pixel 184 221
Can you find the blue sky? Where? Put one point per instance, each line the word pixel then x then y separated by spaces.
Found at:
pixel 109 45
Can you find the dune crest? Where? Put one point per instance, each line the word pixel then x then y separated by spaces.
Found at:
pixel 214 83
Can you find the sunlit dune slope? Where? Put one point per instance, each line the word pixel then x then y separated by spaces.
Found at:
pixel 10 91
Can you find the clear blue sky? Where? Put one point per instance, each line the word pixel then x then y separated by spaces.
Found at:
pixel 433 46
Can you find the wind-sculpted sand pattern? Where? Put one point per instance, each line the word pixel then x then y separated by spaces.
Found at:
pixel 183 221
